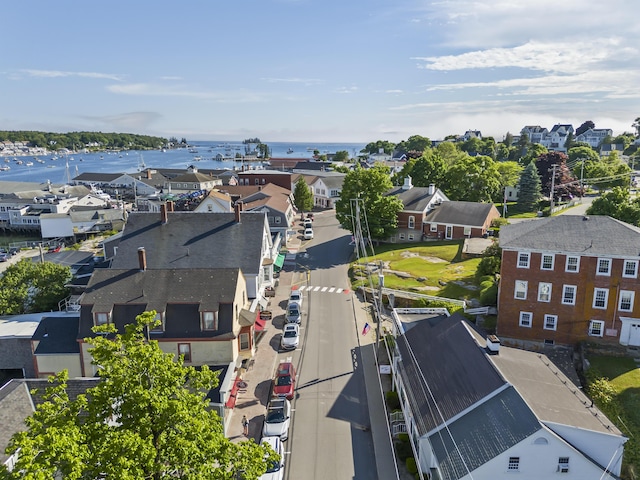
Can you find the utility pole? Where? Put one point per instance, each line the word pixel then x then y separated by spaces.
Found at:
pixel 581 179
pixel 380 303
pixel 553 180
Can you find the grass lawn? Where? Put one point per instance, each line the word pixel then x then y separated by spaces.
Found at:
pixel 436 264
pixel 624 409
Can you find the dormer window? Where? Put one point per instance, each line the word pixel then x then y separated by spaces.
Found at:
pixel 209 321
pixel 101 318
pixel 159 328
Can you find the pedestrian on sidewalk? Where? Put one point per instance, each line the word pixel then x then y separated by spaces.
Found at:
pixel 245 425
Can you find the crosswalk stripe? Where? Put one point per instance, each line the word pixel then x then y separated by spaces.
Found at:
pixel 316 289
pixel 332 289
pixel 339 290
pixel 324 289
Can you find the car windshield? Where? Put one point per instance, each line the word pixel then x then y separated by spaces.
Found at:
pixel 283 381
pixel 273 467
pixel 290 333
pixel 275 415
pixel 293 311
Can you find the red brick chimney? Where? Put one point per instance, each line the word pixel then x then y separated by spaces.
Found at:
pixel 164 216
pixel 237 210
pixel 148 173
pixel 170 206
pixel 142 258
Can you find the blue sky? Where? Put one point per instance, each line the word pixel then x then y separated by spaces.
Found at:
pixel 323 71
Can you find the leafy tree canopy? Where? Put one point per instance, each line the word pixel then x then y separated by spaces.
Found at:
pixel 509 173
pixel 576 154
pixel 79 140
pixel 415 143
pixel 375 147
pixel 341 156
pixel 565 183
pixel 529 192
pixel 617 204
pixel 302 195
pixel 473 179
pixel 147 419
pixel 584 127
pixel 378 211
pixel 27 287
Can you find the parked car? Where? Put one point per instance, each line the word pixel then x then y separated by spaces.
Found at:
pixel 310 216
pixel 285 382
pixel 4 257
pixel 14 251
pixel 296 297
pixel 308 233
pixel 290 336
pixel 294 313
pixel 308 224
pixel 275 470
pixel 276 421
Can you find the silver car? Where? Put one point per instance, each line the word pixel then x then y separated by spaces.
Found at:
pixel 276 422
pixel 294 313
pixel 290 336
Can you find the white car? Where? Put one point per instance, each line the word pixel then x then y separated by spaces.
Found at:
pixel 308 223
pixel 276 421
pixel 308 233
pixel 294 313
pixel 275 470
pixel 290 336
pixel 296 297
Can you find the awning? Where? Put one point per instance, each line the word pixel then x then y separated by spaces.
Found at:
pixel 233 395
pixel 279 261
pixel 264 303
pixel 260 324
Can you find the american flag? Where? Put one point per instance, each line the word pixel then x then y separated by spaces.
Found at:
pixel 366 329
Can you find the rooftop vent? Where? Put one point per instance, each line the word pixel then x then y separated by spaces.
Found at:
pixel 493 344
pixel 585 218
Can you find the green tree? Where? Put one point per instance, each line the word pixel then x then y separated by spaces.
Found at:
pixel 341 156
pixel 378 211
pixel 302 196
pixel 473 179
pixel 375 147
pixel 617 204
pixel 576 154
pixel 532 152
pixel 584 127
pixel 530 188
pixel 28 287
pixel 414 144
pixel 509 173
pixel 565 183
pixel 429 168
pixel 148 418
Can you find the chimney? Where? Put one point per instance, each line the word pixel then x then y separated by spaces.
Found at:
pixel 148 173
pixel 238 209
pixel 432 188
pixel 407 183
pixel 493 344
pixel 142 259
pixel 164 216
pixel 170 206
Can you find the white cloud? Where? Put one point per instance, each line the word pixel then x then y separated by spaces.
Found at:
pixel 149 89
pixel 305 81
pixel 60 73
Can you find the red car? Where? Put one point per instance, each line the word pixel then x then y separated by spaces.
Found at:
pixel 285 382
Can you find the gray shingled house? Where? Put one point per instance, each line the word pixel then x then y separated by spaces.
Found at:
pixel 476 409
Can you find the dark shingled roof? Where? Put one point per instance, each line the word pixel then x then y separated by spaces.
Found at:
pixel 482 434
pixel 595 235
pixel 57 335
pixel 414 199
pixel 180 293
pixel 465 378
pixel 460 213
pixel 193 240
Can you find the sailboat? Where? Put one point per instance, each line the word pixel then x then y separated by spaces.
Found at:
pixel 141 164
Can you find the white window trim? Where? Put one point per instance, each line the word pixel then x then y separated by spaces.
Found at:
pixel 553 261
pixel 411 222
pixel 624 269
pixel 525 288
pixel 595 296
pixel 598 272
pixel 566 264
pixel 596 322
pixel 433 227
pixel 215 322
pixel 575 292
pixel 555 322
pixel 530 319
pixel 541 287
pixel 632 294
pixel 528 254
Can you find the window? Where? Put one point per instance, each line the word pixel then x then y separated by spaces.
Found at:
pixel 526 319
pixel 467 231
pixel 401 236
pixel 514 463
pixel 433 227
pixel 160 327
pixel 523 260
pixel 101 318
pixel 569 294
pixel 410 236
pixel 412 222
pixel 630 269
pixel 595 328
pixel 600 297
pixel 550 322
pixel 573 264
pixel 546 262
pixel 244 341
pixel 521 290
pixel 209 321
pixel 563 464
pixel 626 300
pixel 604 266
pixel 278 220
pixel 184 349
pixel 209 208
pixel 544 292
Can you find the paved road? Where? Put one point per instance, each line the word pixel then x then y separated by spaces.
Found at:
pixel 329 436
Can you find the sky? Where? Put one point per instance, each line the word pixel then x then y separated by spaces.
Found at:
pixel 319 71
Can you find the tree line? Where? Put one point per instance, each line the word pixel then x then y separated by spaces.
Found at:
pixel 81 140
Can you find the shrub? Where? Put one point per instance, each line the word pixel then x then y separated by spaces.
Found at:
pixel 488 266
pixel 403 448
pixel 489 296
pixel 411 465
pixel 393 402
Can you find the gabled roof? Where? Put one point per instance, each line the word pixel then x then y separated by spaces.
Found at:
pixel 197 177
pixel 98 177
pixel 270 195
pixel 192 240
pixel 596 235
pixel 415 199
pixel 15 406
pixel 472 214
pixel 181 294
pixel 457 384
